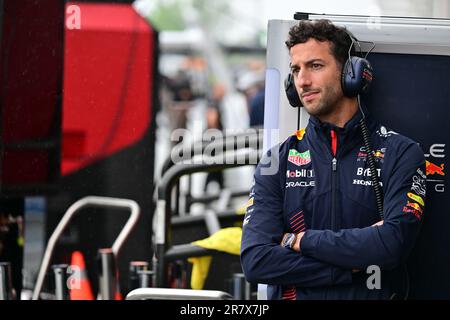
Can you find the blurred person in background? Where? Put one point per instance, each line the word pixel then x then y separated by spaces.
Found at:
pixel 214 121
pixel 257 108
pixel 251 84
pixel 180 101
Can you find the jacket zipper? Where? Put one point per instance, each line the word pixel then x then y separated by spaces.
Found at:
pixel 333 179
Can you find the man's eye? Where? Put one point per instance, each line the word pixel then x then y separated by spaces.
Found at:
pixel 316 66
pixel 295 71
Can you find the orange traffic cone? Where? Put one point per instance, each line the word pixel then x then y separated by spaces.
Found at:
pixel 80 288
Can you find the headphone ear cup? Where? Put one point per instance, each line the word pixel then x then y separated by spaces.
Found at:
pixel 357 76
pixel 291 92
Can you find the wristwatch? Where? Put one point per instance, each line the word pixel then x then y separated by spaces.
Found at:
pixel 289 240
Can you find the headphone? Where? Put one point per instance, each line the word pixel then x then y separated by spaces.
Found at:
pixel 356 77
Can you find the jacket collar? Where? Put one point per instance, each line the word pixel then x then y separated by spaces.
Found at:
pixel 347 136
pixel 349 126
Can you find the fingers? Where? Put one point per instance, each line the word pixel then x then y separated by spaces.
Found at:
pixel 379 223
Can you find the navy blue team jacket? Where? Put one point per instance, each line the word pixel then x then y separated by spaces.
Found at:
pixel 300 185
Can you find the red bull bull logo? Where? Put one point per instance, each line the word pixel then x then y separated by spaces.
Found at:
pixel 378 154
pixel 434 169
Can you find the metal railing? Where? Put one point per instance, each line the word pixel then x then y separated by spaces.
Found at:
pixel 249 138
pixel 91 201
pixel 169 180
pixel 176 294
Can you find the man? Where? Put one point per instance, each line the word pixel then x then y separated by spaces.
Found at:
pixel 320 204
pixel 256 114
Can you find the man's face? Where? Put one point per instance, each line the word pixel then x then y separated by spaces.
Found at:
pixel 317 76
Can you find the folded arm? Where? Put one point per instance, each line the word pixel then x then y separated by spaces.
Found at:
pixel 263 259
pixel 387 244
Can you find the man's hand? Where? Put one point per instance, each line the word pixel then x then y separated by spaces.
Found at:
pixel 296 246
pixel 379 223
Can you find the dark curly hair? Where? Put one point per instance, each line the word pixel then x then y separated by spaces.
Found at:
pixel 322 30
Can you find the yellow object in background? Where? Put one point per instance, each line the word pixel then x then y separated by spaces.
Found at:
pixel 226 240
pixel 200 268
pixel 241 210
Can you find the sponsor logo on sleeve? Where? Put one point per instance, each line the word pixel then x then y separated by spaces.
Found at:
pixel 420 172
pixel 416 213
pixel 415 206
pixel 249 206
pixel 246 220
pixel 419 186
pixel 417 195
pixel 385 133
pixel 416 198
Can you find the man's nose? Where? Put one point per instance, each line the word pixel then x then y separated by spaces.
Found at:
pixel 303 79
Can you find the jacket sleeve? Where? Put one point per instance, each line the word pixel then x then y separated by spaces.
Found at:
pixel 263 259
pixel 385 246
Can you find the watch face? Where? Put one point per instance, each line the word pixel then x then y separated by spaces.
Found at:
pixel 288 240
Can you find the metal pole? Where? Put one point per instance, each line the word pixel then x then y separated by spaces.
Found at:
pixel 240 287
pixel 61 290
pixel 134 278
pixel 146 278
pixel 6 289
pixel 107 274
pixel 177 193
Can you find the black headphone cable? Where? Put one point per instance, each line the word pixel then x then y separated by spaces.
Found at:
pixel 377 187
